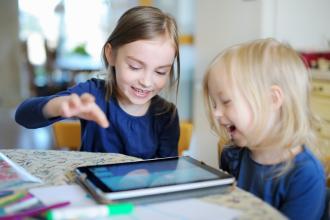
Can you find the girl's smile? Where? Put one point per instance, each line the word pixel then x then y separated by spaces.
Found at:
pixel 142 71
pixel 231 130
pixel 141 93
pixel 230 107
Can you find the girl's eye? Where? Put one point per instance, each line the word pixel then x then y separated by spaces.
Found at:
pixel 226 102
pixel 134 67
pixel 161 73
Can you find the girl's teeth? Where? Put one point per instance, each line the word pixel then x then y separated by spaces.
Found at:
pixel 139 90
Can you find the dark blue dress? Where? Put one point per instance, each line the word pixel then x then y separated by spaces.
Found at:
pixel 152 135
pixel 298 194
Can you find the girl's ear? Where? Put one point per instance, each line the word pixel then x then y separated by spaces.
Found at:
pixel 109 54
pixel 276 96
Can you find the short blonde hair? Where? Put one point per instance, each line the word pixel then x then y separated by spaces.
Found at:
pixel 256 66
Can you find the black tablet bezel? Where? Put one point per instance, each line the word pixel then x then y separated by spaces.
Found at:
pixel 104 188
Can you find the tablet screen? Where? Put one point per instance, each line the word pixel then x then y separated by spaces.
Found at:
pixel 153 173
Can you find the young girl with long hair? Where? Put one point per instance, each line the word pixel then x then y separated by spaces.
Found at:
pixel 124 113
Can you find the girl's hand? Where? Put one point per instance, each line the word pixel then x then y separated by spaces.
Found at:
pixel 83 106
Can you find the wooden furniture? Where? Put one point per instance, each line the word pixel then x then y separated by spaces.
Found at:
pixel 67 135
pixel 321 105
pixel 186 129
pixel 56 168
pixel 320 101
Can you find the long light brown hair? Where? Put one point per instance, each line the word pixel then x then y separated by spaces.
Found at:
pixel 142 23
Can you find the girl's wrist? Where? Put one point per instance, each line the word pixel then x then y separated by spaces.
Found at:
pixel 51 108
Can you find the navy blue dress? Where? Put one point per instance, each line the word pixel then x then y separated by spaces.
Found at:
pixel 152 135
pixel 298 194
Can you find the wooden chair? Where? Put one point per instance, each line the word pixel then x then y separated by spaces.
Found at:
pixel 68 134
pixel 185 137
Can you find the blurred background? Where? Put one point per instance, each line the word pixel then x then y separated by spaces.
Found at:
pixel 49 45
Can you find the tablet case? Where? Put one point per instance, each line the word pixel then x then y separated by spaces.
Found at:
pixel 192 193
pixel 195 193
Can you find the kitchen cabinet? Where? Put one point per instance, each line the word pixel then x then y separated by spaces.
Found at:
pixel 320 100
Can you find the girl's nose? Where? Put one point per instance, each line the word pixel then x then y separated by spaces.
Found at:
pixel 146 80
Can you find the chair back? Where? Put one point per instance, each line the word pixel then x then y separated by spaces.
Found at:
pixel 186 129
pixel 67 134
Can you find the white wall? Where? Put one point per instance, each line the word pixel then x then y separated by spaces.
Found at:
pixel 9 54
pixel 221 23
pixel 305 24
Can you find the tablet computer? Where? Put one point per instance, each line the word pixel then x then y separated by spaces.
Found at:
pixel 124 181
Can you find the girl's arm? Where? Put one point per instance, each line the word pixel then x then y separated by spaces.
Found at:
pixel 39 112
pixel 29 113
pixel 305 196
pixel 83 107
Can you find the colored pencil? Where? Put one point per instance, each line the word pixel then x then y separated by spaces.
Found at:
pixel 11 198
pixel 21 205
pixel 34 212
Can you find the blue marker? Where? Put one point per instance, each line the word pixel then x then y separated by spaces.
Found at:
pixel 90 212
